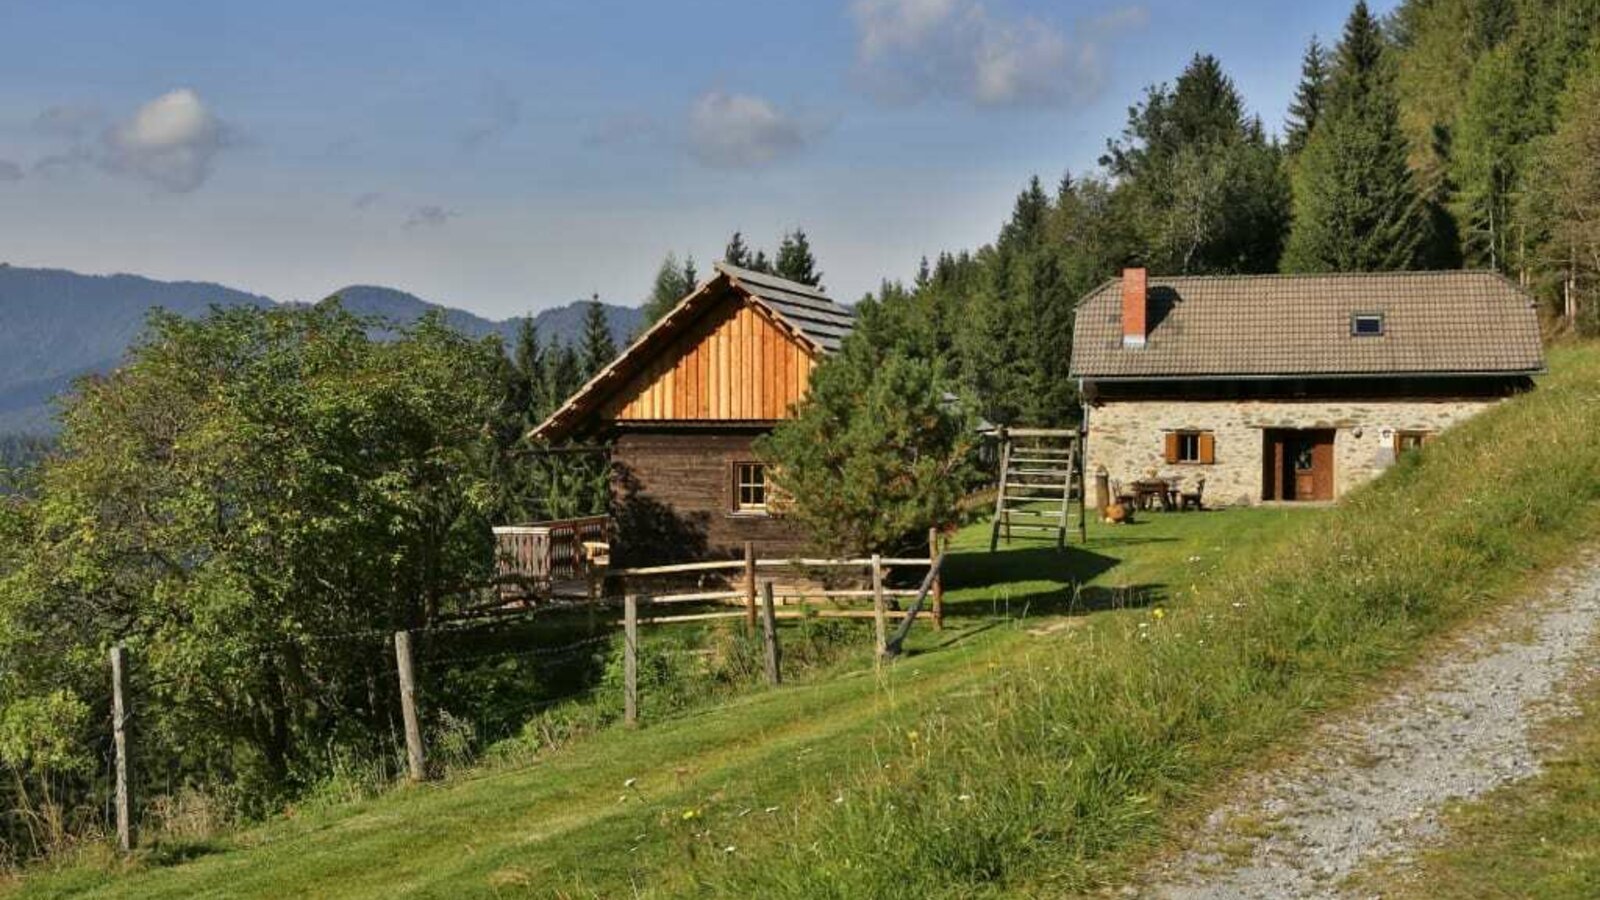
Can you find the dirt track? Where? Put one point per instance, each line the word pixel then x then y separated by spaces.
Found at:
pixel 1373 782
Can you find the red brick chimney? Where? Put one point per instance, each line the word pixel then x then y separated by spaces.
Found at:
pixel 1135 306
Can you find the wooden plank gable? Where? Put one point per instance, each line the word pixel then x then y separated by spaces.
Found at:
pixel 733 364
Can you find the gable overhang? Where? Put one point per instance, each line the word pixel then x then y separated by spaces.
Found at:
pixel 575 417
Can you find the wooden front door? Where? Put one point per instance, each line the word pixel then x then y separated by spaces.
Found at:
pixel 1298 464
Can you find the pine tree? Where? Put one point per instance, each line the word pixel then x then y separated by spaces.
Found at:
pixel 1492 23
pixel 875 455
pixel 563 373
pixel 1026 226
pixel 736 253
pixel 1561 205
pixel 526 372
pixel 1356 207
pixel 691 278
pixel 1198 185
pixel 673 282
pixel 760 263
pixel 598 347
pixel 1486 159
pixel 795 261
pixel 1309 98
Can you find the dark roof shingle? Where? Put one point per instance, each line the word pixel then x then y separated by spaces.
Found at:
pixel 807 309
pixel 1300 325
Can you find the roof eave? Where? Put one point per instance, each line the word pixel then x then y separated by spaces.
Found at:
pixel 1316 376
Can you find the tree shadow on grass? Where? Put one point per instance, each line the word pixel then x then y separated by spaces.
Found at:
pixel 1044 580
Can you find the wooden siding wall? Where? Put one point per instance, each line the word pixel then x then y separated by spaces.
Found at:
pixel 673 500
pixel 732 365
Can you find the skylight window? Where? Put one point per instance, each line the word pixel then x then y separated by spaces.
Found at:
pixel 1366 325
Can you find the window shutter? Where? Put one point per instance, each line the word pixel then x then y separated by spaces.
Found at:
pixel 1208 447
pixel 1172 446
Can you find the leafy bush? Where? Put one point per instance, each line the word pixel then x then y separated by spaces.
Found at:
pixel 245 485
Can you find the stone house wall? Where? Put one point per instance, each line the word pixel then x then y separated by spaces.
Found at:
pixel 1127 437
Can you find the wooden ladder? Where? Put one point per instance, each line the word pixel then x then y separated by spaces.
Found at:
pixel 1041 484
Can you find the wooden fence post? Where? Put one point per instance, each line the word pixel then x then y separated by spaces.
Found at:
pixel 938 580
pixel 769 633
pixel 408 705
pixel 630 661
pixel 750 584
pixel 119 719
pixel 880 613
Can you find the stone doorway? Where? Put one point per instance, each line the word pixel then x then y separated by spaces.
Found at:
pixel 1297 464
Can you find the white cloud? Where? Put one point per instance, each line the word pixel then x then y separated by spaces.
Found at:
pixel 9 171
pixel 430 216
pixel 737 131
pixel 909 50
pixel 170 141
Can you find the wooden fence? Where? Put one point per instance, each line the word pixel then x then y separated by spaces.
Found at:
pixel 638 607
pixel 744 574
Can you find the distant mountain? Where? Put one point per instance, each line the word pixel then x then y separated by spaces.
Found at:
pixel 57 325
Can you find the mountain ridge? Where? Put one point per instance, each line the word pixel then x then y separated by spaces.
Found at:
pixel 57 325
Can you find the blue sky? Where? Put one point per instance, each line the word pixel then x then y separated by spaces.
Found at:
pixel 506 157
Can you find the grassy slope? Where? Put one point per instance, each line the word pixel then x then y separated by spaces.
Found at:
pixel 565 818
pixel 1004 761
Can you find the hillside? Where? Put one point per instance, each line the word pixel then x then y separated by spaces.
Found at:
pixel 56 325
pixel 1046 743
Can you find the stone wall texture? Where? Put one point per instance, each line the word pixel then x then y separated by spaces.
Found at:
pixel 1127 437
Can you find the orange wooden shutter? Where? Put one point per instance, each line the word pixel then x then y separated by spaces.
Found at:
pixel 1172 446
pixel 1208 447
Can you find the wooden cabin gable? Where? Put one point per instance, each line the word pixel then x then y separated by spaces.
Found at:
pixel 733 364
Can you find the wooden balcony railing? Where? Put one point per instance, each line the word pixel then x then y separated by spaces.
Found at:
pixel 530 560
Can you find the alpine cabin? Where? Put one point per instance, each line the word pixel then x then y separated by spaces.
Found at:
pixel 1291 387
pixel 681 406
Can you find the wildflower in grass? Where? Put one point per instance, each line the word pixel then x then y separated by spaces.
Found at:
pixel 690 814
pixel 1159 614
pixel 965 798
pixel 630 782
pixel 729 849
pixel 912 737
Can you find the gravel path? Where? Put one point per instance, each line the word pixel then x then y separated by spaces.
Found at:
pixel 1373 784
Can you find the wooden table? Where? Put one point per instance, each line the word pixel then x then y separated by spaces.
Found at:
pixel 1149 492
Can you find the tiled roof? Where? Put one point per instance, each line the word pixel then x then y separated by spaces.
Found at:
pixel 806 309
pixel 1300 325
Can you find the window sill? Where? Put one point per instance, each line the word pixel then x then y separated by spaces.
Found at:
pixel 749 514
